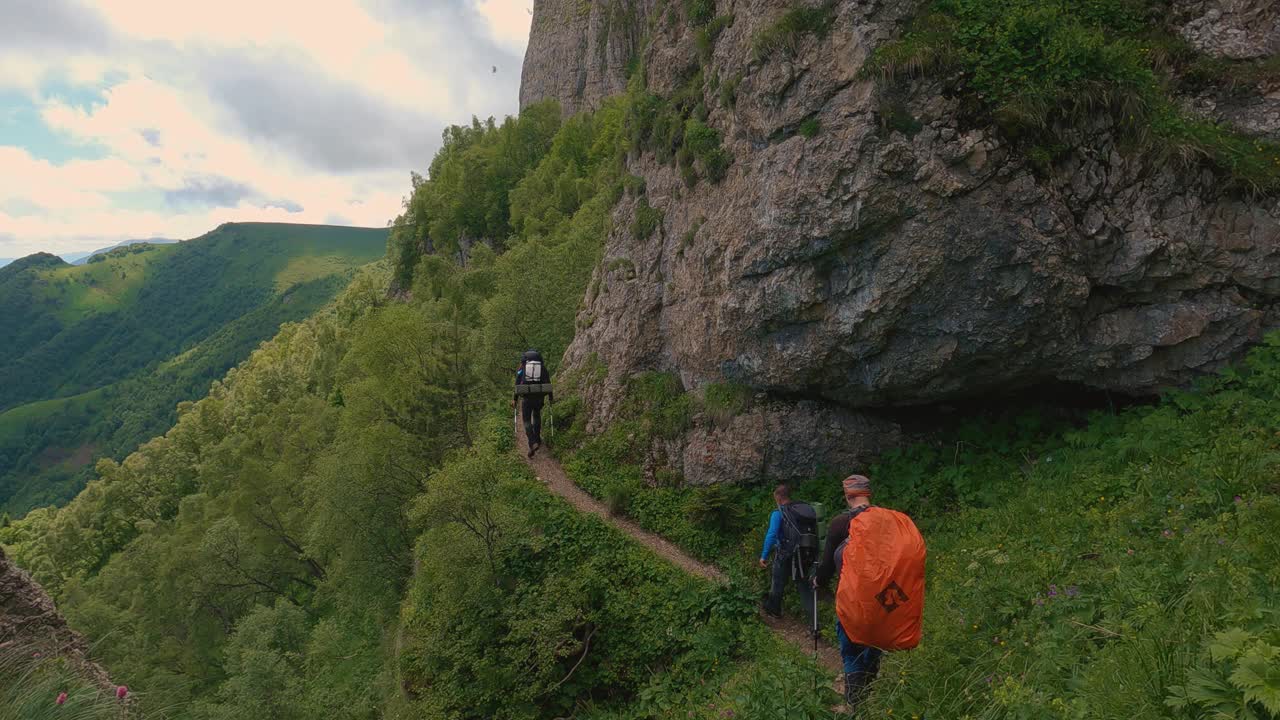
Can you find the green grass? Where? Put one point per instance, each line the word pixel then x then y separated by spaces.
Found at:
pixel 31 681
pixel 306 268
pixel 109 283
pixel 1074 571
pixel 1036 68
pixel 798 22
pixel 675 128
pixel 14 420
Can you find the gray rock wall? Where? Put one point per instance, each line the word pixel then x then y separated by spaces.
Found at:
pixel 869 267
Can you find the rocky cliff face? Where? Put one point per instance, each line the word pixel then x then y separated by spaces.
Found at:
pixel 579 50
pixel 897 257
pixel 1235 29
pixel 29 620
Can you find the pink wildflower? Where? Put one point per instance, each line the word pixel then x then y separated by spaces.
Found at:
pixel 122 692
pixel 62 698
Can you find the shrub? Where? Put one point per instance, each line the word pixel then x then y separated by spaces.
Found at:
pixel 729 91
pixel 1241 679
pixel 785 34
pixel 618 497
pixel 699 12
pixel 718 507
pixel 810 127
pixel 647 219
pixel 724 401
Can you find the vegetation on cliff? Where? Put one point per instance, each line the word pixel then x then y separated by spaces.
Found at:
pixel 1041 69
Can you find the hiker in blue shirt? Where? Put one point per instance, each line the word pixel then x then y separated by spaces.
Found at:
pixel 786 524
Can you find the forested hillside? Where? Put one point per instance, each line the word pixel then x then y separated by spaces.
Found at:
pixel 343 528
pixel 97 356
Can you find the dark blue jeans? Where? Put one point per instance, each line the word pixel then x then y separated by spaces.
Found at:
pixel 858 658
pixel 782 574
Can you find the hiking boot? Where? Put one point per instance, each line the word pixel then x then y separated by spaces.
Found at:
pixel 775 614
pixel 855 688
pixel 534 448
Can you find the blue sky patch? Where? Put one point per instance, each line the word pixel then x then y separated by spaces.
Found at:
pixel 22 126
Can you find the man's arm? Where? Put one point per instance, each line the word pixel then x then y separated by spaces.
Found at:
pixel 837 532
pixel 771 537
pixel 519 376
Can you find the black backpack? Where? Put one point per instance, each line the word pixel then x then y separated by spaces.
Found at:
pixel 800 535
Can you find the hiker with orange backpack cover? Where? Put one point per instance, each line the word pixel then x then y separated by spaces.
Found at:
pixel 880 596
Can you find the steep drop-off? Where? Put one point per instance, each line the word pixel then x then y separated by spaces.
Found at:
pixel 95 358
pixel 871 246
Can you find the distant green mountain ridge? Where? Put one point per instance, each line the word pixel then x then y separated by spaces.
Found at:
pixel 81 258
pixel 94 358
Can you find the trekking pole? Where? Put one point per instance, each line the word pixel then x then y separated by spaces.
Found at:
pixel 815 627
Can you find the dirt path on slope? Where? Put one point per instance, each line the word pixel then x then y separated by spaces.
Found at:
pixel 548 470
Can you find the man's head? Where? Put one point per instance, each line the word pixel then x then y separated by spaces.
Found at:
pixel 782 494
pixel 857 490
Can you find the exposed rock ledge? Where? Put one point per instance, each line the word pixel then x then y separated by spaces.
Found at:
pixel 29 619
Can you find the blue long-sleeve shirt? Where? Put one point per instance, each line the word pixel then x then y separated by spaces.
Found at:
pixel 771 537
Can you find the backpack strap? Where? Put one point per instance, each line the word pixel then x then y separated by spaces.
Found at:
pixel 786 515
pixel 857 511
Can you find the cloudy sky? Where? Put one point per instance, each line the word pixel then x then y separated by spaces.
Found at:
pixel 163 118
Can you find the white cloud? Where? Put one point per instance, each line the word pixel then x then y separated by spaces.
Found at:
pixel 509 21
pixel 243 109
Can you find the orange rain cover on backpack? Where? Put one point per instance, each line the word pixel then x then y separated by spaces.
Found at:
pixel 880 600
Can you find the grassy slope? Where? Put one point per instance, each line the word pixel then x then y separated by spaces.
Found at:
pixel 1073 573
pixel 118 342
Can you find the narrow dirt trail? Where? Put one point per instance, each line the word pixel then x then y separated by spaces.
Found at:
pixel 548 470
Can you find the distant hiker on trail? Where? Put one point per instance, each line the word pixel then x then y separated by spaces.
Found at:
pixel 790 525
pixel 533 383
pixel 880 556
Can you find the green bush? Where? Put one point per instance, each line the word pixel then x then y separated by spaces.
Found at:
pixel 717 507
pixel 798 22
pixel 724 401
pixel 699 12
pixel 810 127
pixel 729 91
pixel 675 128
pixel 1240 680
pixel 618 497
pixel 647 220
